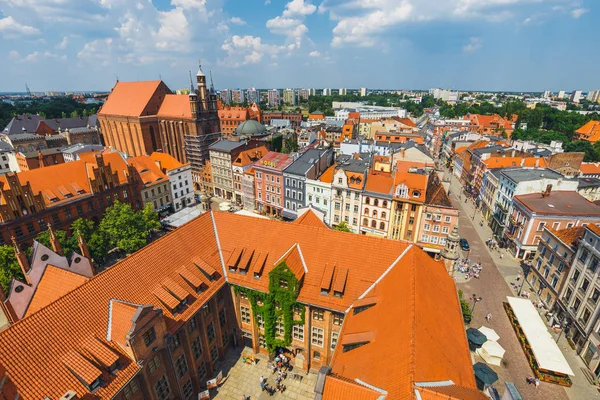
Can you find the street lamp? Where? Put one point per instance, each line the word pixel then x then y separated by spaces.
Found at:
pixel 525 275
pixel 475 301
pixel 563 326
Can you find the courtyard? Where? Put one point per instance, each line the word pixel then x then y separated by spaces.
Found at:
pixel 241 379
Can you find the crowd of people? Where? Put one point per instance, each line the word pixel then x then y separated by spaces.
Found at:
pixel 279 367
pixel 470 270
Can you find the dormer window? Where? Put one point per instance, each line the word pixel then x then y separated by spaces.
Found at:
pixel 416 193
pixel 95 385
pixel 352 346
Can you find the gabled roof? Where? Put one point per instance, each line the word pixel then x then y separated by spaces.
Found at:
pixel 410 294
pixel 132 98
pixel 175 106
pixel 380 183
pixel 569 236
pixel 148 170
pixel 590 131
pixel 308 216
pixel 590 168
pixel 167 161
pixel 250 156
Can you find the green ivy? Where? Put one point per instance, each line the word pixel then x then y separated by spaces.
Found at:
pixel 280 302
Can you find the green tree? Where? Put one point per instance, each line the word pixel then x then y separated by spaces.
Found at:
pixel 585 147
pixel 290 144
pixel 127 229
pixel 74 114
pixel 428 101
pixel 63 114
pixel 342 226
pixel 465 308
pixel 68 247
pixel 9 267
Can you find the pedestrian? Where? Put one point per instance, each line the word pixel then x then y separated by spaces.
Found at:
pixel 519 276
pixel 488 317
pixel 262 379
pixel 537 382
pixel 530 380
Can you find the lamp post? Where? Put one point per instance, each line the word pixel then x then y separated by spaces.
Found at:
pixel 563 326
pixel 525 275
pixel 475 301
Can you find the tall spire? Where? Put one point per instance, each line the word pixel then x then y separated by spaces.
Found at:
pixel 212 87
pixel 54 241
pixel 83 247
pixel 200 72
pixel 191 83
pixel 22 259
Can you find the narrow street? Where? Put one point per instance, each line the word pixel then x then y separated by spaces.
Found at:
pixel 493 286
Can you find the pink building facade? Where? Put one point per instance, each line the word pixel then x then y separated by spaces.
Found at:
pixel 268 182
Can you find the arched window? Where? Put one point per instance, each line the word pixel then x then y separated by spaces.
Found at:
pixel 373 224
pixel 376 202
pixel 383 215
pixel 385 203
pixel 365 222
pixel 382 226
pixel 374 213
pixel 366 211
pixel 368 201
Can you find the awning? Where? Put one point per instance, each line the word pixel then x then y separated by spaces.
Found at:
pixel 491 352
pixel 489 333
pixel 544 348
pixel 485 374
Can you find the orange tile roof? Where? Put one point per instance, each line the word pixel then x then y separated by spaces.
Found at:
pixel 132 98
pixel 45 338
pixel 590 131
pixel 590 168
pixel 570 236
pixel 316 116
pixel 417 294
pixel 359 179
pixel 338 387
pixel 406 121
pixel 250 156
pixel 55 283
pixel 594 228
pixel 167 161
pixel 327 176
pixel 504 162
pixel 148 170
pixel 63 181
pixel 311 219
pixel 175 106
pixel 380 182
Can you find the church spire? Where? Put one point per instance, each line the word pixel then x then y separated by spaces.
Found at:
pixel 191 83
pixel 212 87
pixel 22 259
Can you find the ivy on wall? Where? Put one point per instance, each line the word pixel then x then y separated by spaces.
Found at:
pixel 280 302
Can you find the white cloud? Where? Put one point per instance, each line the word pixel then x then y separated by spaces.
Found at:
pixel 365 22
pixel 526 20
pixel 14 55
pixel 267 2
pixel 578 12
pixel 474 44
pixel 314 54
pixel 9 27
pixel 245 50
pixel 63 43
pixel 173 33
pixel 96 52
pixel 190 4
pixel 237 21
pixel 38 55
pixel 298 8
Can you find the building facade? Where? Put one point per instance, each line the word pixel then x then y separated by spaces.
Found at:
pixel 180 179
pixel 268 180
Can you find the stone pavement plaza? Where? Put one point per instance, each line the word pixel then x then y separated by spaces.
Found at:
pixel 244 379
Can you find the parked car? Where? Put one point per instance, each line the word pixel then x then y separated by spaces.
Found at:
pixel 464 244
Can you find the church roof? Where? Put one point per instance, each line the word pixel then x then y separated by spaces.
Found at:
pixel 175 106
pixel 132 98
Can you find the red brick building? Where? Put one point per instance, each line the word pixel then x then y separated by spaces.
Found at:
pixel 38 159
pixel 294 118
pixel 62 193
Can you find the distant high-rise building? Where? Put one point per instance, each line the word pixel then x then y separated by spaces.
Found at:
pixel 313 91
pixel 593 96
pixel 289 97
pixel 252 95
pixel 576 96
pixel 343 91
pixel 225 95
pixel 273 97
pixel 326 92
pixel 546 94
pixel 303 94
pixel 238 96
pixel 363 91
pixel 444 94
pixel 561 94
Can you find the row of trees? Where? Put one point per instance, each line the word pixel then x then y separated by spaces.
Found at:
pixel 121 229
pixel 56 107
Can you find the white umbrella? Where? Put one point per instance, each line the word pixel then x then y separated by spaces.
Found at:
pixel 489 333
pixel 224 206
pixel 491 352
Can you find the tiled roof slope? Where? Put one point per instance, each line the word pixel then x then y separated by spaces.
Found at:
pixel 55 283
pixel 46 338
pixel 167 161
pixel 569 236
pixel 590 131
pixel 131 98
pixel 175 106
pixel 309 218
pixel 338 387
pixel 320 247
pixel 148 170
pixel 417 296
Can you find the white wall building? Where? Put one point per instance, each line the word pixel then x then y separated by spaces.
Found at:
pixel 252 95
pixel 319 196
pixel 363 91
pixel 343 91
pixel 7 158
pixel 182 188
pixel 273 97
pixel 576 96
pixel 327 92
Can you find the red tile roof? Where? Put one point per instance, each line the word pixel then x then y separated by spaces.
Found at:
pixel 570 236
pixel 131 98
pixel 167 162
pixel 590 132
pixel 309 218
pixel 55 283
pixel 175 106
pixel 338 387
pixel 590 168
pixel 148 170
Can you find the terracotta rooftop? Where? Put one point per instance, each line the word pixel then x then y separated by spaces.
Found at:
pixel 590 131
pixel 569 236
pixel 590 168
pixel 167 161
pixel 250 156
pixel 274 161
pixel 148 170
pixel 505 162
pixel 327 176
pixel 131 98
pixel 409 294
pixel 55 283
pixel 559 202
pixel 175 106
pixel 309 218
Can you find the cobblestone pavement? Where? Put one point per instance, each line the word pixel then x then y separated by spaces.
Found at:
pixel 244 379
pixel 500 271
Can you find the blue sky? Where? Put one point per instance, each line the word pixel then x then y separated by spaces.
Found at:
pixel 518 45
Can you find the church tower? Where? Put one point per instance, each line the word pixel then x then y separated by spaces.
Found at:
pixel 203 95
pixel 450 252
pixel 193 99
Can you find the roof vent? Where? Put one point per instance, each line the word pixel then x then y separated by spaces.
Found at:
pixel 70 395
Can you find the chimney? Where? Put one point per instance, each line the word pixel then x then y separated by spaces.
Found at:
pixel 512 154
pixel 54 241
pixel 537 161
pixel 70 395
pixel 548 190
pixel 83 247
pixel 22 259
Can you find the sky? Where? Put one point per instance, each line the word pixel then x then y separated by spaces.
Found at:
pixel 511 45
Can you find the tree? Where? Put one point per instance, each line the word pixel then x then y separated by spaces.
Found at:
pixel 9 267
pixel 63 114
pixel 582 146
pixel 465 307
pixel 127 229
pixel 428 101
pixel 342 226
pixel 74 114
pixel 68 247
pixel 290 144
